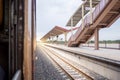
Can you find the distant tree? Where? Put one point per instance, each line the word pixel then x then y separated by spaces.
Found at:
pixel 91 41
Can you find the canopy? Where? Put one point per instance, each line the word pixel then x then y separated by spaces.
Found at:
pixel 77 16
pixel 55 32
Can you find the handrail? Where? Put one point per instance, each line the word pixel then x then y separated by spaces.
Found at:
pixel 98 9
pixel 17 75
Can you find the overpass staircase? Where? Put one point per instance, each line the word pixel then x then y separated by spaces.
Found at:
pixel 105 13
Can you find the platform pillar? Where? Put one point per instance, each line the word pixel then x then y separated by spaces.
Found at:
pixel 71 26
pixel 97 39
pixel 52 39
pixel 65 38
pixel 57 39
pixel 83 10
pixel 91 11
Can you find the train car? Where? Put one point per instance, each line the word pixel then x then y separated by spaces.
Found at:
pixel 17 39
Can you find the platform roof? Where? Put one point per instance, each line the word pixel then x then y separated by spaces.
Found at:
pixel 55 31
pixel 77 16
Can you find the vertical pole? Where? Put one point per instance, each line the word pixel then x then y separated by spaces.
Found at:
pixel 119 44
pixel 105 44
pixel 82 15
pixel 91 12
pixel 52 40
pixel 9 54
pixel 57 39
pixel 97 39
pixel 65 38
pixel 49 40
pixel 71 27
pixel 88 44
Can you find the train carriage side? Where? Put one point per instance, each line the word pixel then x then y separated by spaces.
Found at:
pixel 30 37
pixel 17 38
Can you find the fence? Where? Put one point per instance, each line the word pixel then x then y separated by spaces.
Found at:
pixel 104 45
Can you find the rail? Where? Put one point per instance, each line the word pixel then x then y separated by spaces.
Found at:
pixel 104 45
pixel 17 75
pixel 67 67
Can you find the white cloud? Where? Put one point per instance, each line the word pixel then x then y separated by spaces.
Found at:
pixel 54 12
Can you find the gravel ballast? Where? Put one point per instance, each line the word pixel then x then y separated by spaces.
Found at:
pixel 44 68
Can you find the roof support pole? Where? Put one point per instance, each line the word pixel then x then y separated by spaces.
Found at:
pixel 83 15
pixel 71 26
pixel 91 12
pixel 97 39
pixel 57 38
pixel 65 37
pixel 52 39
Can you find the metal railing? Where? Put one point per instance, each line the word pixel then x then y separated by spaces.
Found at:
pixel 104 45
pixel 17 75
pixel 97 11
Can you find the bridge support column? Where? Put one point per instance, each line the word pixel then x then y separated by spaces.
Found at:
pixel 83 9
pixel 91 11
pixel 71 26
pixel 97 39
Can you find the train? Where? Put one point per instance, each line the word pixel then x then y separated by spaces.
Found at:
pixel 17 39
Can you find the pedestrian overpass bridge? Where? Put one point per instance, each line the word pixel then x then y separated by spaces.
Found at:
pixel 102 13
pixel 93 15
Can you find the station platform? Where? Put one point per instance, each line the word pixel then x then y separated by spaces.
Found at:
pixel 105 53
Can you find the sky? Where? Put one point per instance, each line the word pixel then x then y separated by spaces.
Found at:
pixel 52 13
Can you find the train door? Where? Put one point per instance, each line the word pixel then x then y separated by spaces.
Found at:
pixel 16 37
pixel 11 37
pixel 3 40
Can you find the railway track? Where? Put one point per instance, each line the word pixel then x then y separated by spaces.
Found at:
pixel 71 71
